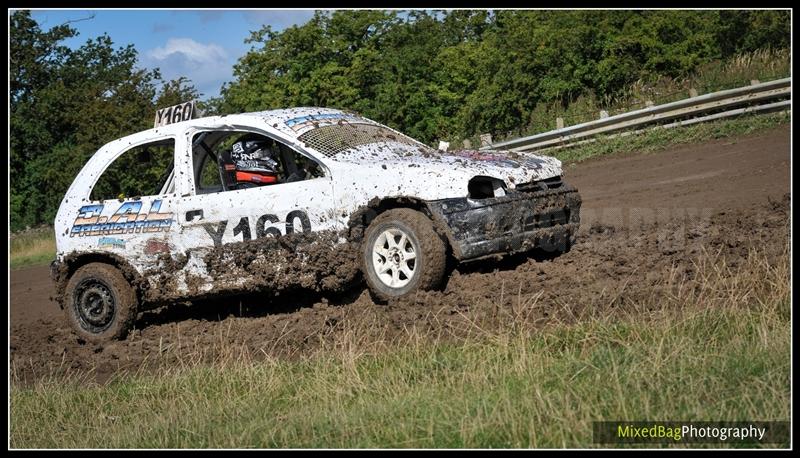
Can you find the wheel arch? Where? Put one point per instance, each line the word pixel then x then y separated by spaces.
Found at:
pixel 364 215
pixel 62 271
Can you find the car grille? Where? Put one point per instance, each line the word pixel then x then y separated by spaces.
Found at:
pixel 540 185
pixel 555 217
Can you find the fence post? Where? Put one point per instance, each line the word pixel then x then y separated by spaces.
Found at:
pixel 754 82
pixel 603 114
pixel 559 123
pixel 467 144
pixel 692 92
pixel 648 103
pixel 486 140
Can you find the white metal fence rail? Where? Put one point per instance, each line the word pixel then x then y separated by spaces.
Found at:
pixel 723 103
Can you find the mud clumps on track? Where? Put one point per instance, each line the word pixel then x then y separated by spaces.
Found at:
pixel 611 268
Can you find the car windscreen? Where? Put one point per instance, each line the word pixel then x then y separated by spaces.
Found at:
pixel 335 139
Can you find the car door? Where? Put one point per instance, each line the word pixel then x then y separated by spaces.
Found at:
pixel 210 216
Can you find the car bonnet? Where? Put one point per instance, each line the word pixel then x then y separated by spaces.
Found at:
pixel 509 166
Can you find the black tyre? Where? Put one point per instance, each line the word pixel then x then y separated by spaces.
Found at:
pixel 99 303
pixel 402 253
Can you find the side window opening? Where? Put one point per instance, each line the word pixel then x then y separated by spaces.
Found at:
pixel 227 161
pixel 207 177
pixel 144 170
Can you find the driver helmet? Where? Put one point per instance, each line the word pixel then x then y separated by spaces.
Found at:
pixel 254 160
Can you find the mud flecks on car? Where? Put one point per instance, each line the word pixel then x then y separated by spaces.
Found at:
pixel 276 200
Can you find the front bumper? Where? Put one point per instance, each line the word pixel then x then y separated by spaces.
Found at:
pixel 519 221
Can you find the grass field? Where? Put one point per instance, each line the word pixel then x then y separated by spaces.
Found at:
pixel 717 348
pixel 32 247
pixel 658 139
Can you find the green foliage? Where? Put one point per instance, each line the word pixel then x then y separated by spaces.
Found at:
pixel 65 104
pixel 457 74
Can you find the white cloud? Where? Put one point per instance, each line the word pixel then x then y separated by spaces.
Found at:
pixel 191 50
pixel 206 65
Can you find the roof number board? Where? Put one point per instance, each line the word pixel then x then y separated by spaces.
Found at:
pixel 177 113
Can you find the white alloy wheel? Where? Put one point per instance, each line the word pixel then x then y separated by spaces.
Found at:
pixel 401 253
pixel 394 258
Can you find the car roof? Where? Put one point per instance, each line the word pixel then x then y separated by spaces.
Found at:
pixel 292 122
pixel 296 121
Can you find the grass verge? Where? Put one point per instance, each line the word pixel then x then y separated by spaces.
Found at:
pixel 658 139
pixel 715 348
pixel 32 247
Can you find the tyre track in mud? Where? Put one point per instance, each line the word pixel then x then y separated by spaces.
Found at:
pixel 645 218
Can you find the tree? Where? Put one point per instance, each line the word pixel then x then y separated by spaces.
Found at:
pixel 65 104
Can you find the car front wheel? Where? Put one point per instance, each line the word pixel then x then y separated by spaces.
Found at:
pixel 402 253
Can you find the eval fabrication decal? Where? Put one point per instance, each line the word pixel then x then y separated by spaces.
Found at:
pixel 126 220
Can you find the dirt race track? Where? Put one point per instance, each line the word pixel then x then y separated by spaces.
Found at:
pixel 645 217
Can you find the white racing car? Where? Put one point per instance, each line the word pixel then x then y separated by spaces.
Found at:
pixel 284 199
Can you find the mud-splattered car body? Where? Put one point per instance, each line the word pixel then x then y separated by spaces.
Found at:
pixel 186 241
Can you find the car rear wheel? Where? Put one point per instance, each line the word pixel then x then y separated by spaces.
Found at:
pixel 402 253
pixel 100 304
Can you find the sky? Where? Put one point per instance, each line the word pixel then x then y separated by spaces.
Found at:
pixel 202 45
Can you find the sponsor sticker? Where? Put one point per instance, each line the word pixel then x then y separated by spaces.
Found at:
pixel 126 220
pixel 111 242
pixel 303 122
